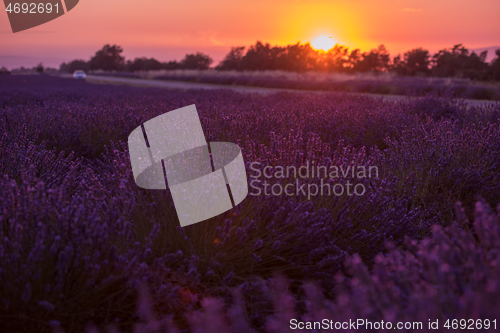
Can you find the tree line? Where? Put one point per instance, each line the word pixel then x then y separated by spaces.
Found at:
pixel 109 58
pixel 456 61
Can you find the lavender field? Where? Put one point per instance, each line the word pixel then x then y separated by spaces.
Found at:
pixel 83 248
pixel 381 83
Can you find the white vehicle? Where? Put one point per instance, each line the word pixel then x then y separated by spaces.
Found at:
pixel 79 74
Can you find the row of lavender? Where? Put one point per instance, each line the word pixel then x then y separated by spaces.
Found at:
pixel 418 86
pixel 447 282
pixel 78 237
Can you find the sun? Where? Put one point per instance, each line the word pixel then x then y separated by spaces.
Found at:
pixel 323 43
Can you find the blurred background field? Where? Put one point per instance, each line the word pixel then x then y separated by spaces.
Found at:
pixel 383 83
pixel 455 71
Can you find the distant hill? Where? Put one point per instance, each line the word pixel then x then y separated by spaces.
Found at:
pixel 491 52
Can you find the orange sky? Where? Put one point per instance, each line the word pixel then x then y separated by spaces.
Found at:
pixel 168 29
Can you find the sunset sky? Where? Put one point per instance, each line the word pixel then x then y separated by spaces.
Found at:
pixel 168 29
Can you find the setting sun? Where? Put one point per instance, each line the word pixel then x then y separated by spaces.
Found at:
pixel 323 43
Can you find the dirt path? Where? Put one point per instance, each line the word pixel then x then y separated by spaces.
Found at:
pixel 243 89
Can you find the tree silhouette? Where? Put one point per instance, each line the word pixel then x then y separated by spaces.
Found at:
pixel 377 60
pixel 172 65
pixel 456 62
pixel 258 57
pixel 415 62
pixel 144 64
pixel 335 60
pixel 298 58
pixel 196 61
pixel 74 65
pixel 495 66
pixel 39 68
pixel 108 58
pixel 232 61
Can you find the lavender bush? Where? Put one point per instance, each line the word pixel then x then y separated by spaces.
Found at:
pixel 451 275
pixel 79 239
